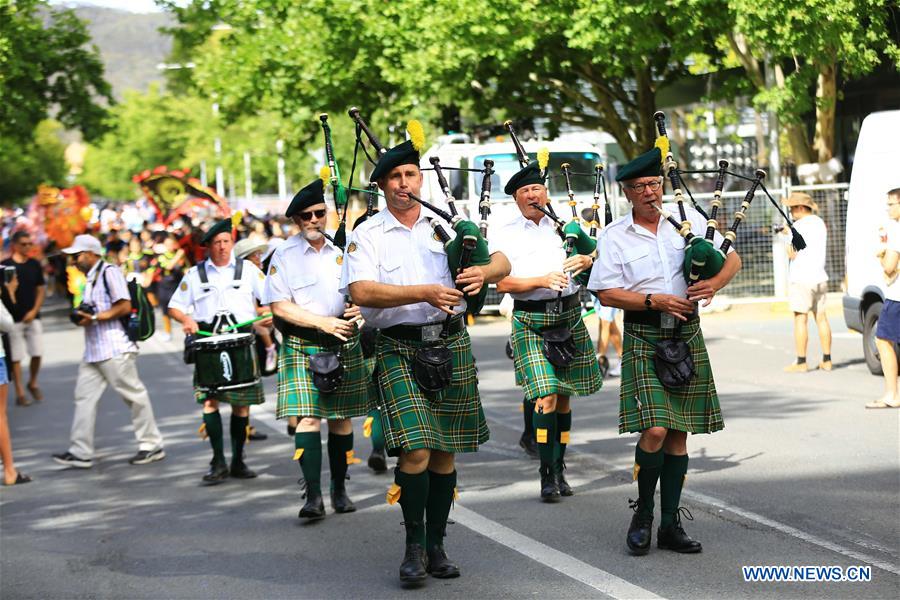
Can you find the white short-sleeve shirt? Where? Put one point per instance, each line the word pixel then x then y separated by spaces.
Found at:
pixel 808 267
pixel 385 251
pixel 533 251
pixel 221 293
pixel 307 277
pixel 632 258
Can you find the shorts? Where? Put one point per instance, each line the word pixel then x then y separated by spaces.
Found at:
pixel 888 327
pixel 605 313
pixel 803 298
pixel 4 375
pixel 26 339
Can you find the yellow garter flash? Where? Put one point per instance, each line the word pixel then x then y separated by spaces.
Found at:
pixel 416 134
pixel 455 494
pixel 393 494
pixel 351 459
pixel 563 437
pixel 236 217
pixel 367 426
pixel 325 175
pixel 202 431
pixel 634 474
pixel 247 434
pixel 662 143
pixel 521 408
pixel 543 157
pixel 541 436
pixel 298 453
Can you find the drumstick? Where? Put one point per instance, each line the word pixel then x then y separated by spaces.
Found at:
pixel 210 334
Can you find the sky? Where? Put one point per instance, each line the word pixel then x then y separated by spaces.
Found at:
pixel 135 6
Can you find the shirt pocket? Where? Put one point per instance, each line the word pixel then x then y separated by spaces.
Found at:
pixel 302 286
pixel 389 269
pixel 638 264
pixel 678 242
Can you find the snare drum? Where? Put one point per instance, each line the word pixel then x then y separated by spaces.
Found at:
pixel 226 362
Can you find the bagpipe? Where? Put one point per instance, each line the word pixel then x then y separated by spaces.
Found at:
pixel 702 260
pixel 469 246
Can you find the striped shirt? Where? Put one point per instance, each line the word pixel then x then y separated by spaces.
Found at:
pixel 105 339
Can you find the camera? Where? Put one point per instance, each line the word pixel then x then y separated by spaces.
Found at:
pixel 9 273
pixel 83 307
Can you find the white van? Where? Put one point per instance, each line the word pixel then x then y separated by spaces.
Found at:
pixel 876 170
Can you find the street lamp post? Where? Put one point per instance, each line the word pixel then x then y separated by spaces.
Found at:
pixel 220 175
pixel 282 183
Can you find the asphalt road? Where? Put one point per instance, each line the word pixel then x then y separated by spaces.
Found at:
pixel 801 475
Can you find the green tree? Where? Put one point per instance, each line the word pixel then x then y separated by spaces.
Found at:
pixel 46 65
pixel 26 165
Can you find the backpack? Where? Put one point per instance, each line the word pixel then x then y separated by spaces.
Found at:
pixel 141 311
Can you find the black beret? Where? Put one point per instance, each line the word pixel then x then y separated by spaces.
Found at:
pixel 401 154
pixel 529 175
pixel 312 194
pixel 647 164
pixel 223 226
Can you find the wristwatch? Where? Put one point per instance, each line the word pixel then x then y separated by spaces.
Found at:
pixel 647 301
pixel 94 317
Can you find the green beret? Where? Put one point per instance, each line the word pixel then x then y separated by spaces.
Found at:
pixel 312 194
pixel 401 154
pixel 529 175
pixel 647 164
pixel 223 226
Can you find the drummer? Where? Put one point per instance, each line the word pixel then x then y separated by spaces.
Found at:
pixel 228 295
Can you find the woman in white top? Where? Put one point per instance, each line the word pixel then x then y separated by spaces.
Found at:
pixel 10 475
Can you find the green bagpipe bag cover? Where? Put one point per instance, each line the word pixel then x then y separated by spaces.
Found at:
pixel 702 251
pixel 584 244
pixel 480 257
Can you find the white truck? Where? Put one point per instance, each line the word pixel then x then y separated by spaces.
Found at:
pixel 876 170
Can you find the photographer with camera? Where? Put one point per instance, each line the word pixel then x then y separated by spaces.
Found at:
pixel 110 357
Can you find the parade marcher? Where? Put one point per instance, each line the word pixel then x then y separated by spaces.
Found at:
pixel 171 263
pixel 397 271
pixel 546 298
pixel 252 250
pixel 640 269
pixel 321 372
pixel 227 294
pixel 110 358
pixel 11 475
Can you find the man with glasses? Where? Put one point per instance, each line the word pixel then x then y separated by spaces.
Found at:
pixel 25 339
pixel 314 317
pixel 639 269
pixel 887 332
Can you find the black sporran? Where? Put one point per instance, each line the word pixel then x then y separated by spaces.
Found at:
pixel 190 350
pixel 559 346
pixel 673 362
pixel 368 336
pixel 433 367
pixel 327 371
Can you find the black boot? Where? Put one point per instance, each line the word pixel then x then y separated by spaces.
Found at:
pixel 378 461
pixel 255 435
pixel 218 472
pixel 412 569
pixel 639 532
pixel 564 488
pixel 439 564
pixel 674 538
pixel 240 471
pixel 549 489
pixel 528 444
pixel 314 509
pixel 340 502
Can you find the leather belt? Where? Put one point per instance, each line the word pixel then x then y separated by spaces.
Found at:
pixel 307 334
pixel 427 332
pixel 548 306
pixel 651 317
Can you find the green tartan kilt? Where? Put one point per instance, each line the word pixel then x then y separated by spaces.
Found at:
pixel 644 402
pixel 299 397
pixel 534 372
pixel 451 420
pixel 247 396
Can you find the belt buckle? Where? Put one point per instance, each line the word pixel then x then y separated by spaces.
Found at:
pixel 554 307
pixel 666 321
pixel 432 333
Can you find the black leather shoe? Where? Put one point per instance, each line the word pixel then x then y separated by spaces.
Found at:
pixel 527 443
pixel 412 569
pixel 218 472
pixel 256 435
pixel 240 471
pixel 549 489
pixel 439 565
pixel 291 430
pixel 340 502
pixel 564 488
pixel 314 509
pixel 378 461
pixel 674 538
pixel 640 530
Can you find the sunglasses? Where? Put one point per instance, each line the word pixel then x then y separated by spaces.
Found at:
pixel 308 214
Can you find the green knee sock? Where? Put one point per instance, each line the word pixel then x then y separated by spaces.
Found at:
pixel 648 466
pixel 338 447
pixel 441 489
pixel 413 497
pixel 528 409
pixel 670 483
pixel 310 442
pixel 213 422
pixel 545 434
pixel 238 430
pixel 377 430
pixel 563 426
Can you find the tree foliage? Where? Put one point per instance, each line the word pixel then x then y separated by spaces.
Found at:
pixel 26 164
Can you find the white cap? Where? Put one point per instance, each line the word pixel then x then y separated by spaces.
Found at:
pixel 246 247
pixel 85 243
pixel 273 245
